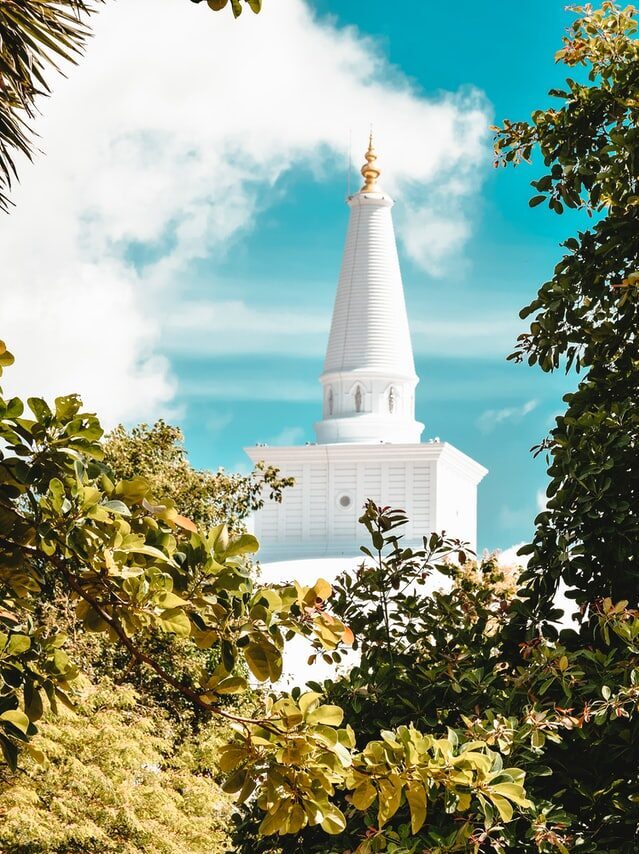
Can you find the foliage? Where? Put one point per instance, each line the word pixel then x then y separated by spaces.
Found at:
pixel 114 780
pixel 134 566
pixel 235 5
pixel 35 37
pixel 461 682
pixel 434 661
pixel 586 316
pixel 191 811
pixel 450 771
pixel 157 453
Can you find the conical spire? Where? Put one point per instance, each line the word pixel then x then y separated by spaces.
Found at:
pixel 369 373
pixel 369 170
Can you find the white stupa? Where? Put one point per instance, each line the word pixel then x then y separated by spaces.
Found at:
pixel 368 442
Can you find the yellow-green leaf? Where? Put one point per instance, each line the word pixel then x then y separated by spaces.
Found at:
pixel 390 797
pixel 175 622
pixel 504 807
pixel 257 661
pixel 333 821
pixel 309 701
pixel 513 791
pixel 327 715
pixel 17 719
pixel 246 544
pixel 231 685
pixel 322 589
pixel 364 795
pixel 230 758
pixel 18 644
pixel 416 797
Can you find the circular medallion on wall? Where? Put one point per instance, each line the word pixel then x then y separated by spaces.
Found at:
pixel 344 501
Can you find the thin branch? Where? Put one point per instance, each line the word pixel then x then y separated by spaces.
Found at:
pixel 140 655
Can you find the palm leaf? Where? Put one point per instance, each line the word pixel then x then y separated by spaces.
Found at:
pixel 35 36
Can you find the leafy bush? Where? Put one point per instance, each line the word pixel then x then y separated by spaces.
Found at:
pixel 114 779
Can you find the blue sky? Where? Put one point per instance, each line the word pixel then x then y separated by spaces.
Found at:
pixel 189 234
pixel 477 402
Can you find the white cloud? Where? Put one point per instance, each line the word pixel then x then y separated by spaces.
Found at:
pixel 246 388
pixel 461 338
pixel 491 418
pixel 164 145
pixel 430 239
pixel 509 556
pixel 232 327
pixel 228 327
pixel 514 518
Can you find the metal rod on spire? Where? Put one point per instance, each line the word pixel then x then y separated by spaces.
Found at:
pixel 350 162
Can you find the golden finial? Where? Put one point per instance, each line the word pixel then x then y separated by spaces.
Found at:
pixel 369 170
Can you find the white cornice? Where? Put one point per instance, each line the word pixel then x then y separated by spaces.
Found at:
pixel 382 452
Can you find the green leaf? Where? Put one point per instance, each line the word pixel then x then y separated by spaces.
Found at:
pixel 390 796
pixel 17 719
pixel 18 644
pixel 231 685
pixel 257 662
pixel 246 544
pixel 174 621
pixel 40 409
pixel 235 782
pixel 168 599
pixel 309 701
pixel 513 791
pixel 504 807
pixel 67 407
pixel 116 506
pixel 230 757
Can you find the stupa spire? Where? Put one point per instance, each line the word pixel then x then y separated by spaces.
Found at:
pixel 369 374
pixel 370 171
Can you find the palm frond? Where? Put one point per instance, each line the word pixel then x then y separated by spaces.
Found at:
pixel 36 38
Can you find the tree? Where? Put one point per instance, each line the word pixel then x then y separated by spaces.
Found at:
pixel 114 777
pixel 586 315
pixel 133 565
pixel 131 739
pixel 36 35
pixel 157 453
pixel 208 499
pixel 564 714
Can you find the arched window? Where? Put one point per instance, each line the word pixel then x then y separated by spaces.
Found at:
pixel 358 399
pixel 392 400
pixel 331 401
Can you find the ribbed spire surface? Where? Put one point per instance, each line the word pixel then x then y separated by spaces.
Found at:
pixel 369 373
pixel 370 330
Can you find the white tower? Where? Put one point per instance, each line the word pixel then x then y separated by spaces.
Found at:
pixel 368 440
pixel 369 374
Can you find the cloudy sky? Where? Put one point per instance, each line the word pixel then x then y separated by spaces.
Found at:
pixel 175 250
